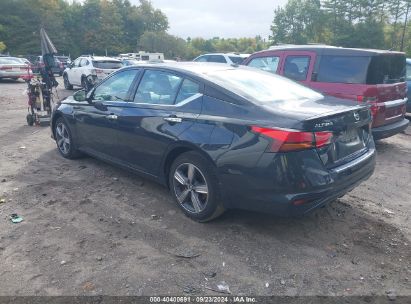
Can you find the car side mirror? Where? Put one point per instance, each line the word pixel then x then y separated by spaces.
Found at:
pixel 80 96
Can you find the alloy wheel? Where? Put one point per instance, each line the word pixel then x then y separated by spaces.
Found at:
pixel 190 187
pixel 63 138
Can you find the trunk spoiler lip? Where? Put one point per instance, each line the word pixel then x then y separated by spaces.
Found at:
pixel 336 112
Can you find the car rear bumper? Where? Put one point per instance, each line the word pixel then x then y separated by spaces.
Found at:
pixel 16 74
pixel 390 130
pixel 296 183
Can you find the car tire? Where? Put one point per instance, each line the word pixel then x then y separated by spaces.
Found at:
pixel 67 84
pixel 196 193
pixel 64 140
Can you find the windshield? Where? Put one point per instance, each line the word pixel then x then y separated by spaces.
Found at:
pixel 236 59
pixel 261 86
pixel 106 64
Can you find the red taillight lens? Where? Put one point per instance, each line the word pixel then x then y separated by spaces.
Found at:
pixel 323 139
pixel 372 100
pixel 286 140
pixel 6 68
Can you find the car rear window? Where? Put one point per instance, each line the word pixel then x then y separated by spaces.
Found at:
pixel 265 88
pixel 386 69
pixel 343 69
pixel 236 59
pixel 112 65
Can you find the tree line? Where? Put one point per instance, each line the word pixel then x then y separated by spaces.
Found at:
pixel 380 24
pixel 100 27
pixel 118 26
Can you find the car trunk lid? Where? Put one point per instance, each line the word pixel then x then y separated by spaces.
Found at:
pixel 350 130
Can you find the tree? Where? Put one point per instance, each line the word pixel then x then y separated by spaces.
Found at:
pixel 161 42
pixel 2 46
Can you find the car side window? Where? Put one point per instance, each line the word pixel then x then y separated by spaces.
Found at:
pixel 217 58
pixel 158 87
pixel 116 87
pixel 269 64
pixel 76 62
pixel 188 89
pixel 83 62
pixel 202 59
pixel 296 67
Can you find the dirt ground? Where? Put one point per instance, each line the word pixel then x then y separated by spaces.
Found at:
pixel 89 229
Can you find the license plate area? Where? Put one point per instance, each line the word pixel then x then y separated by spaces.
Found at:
pixel 347 145
pixel 349 136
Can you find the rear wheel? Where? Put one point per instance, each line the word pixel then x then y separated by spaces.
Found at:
pixel 64 140
pixel 67 84
pixel 194 186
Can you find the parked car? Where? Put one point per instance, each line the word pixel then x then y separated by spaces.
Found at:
pixel 24 60
pixel 221 137
pixel 14 68
pixel 229 58
pixel 65 60
pixel 86 71
pixel 373 77
pixel 409 84
pixel 38 64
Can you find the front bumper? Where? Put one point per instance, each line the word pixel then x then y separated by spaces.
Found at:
pixel 293 184
pixel 390 130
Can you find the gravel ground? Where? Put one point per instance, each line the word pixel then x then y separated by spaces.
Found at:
pixel 90 228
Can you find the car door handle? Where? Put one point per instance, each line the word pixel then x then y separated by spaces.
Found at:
pixel 111 117
pixel 173 119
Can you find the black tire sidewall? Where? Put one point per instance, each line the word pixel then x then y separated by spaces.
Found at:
pixel 66 82
pixel 73 152
pixel 208 170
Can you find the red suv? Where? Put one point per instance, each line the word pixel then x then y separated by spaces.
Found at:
pixel 375 77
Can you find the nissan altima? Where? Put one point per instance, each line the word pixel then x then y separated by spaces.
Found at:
pixel 221 137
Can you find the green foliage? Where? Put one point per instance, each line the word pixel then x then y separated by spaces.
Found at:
pixel 92 26
pixel 349 23
pixel 100 26
pixel 2 46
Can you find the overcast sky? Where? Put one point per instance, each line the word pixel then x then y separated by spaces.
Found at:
pixel 218 18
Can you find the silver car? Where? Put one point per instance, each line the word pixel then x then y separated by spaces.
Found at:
pixel 13 68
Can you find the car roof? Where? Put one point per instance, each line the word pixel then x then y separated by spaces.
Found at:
pixel 323 49
pixel 102 58
pixel 200 69
pixel 223 54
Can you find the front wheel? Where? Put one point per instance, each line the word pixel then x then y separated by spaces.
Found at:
pixel 194 186
pixel 67 84
pixel 64 140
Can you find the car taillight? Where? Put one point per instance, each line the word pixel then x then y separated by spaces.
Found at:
pixel 96 71
pixel 6 68
pixel 371 100
pixel 290 140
